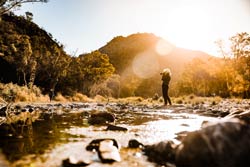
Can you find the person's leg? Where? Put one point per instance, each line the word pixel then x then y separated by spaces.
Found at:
pixel 168 99
pixel 164 94
pixel 167 96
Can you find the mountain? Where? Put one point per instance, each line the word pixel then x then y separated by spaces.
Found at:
pixel 123 50
pixel 139 58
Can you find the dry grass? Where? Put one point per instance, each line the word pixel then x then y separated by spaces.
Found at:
pixel 14 93
pixel 99 98
pixel 60 98
pixel 80 98
pixel 195 100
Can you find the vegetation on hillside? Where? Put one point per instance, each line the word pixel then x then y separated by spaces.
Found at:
pixel 125 66
pixel 226 77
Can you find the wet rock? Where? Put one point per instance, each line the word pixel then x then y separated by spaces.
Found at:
pixel 116 128
pixel 73 162
pixel 181 135
pixel 224 144
pixel 108 152
pixel 101 118
pixel 161 153
pixel 245 116
pixel 224 113
pixel 3 111
pixel 107 149
pixel 134 144
pixel 95 144
pixel 18 107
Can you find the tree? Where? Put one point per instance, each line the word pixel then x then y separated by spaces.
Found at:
pixel 96 68
pixel 108 88
pixel 8 5
pixel 241 52
pixel 19 55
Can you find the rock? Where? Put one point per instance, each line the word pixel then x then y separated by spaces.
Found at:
pixel 94 144
pixel 245 116
pixel 3 111
pixel 101 118
pixel 116 128
pixel 107 149
pixel 108 152
pixel 73 162
pixel 181 135
pixel 134 144
pixel 18 107
pixel 161 153
pixel 224 144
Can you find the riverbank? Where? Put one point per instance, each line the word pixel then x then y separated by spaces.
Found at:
pixel 53 132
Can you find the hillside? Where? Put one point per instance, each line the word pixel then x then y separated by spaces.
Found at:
pixel 122 51
pixel 138 62
pixel 31 51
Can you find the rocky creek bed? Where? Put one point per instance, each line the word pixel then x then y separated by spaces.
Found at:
pixel 125 134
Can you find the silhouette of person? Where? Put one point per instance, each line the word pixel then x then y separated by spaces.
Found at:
pixel 166 77
pixel 51 94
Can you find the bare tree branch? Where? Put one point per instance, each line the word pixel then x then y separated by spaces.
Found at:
pixel 7 5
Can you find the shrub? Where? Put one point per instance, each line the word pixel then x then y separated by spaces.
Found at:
pixel 80 97
pixel 60 97
pixel 15 93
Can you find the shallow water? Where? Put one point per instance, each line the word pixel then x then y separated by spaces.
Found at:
pixel 62 133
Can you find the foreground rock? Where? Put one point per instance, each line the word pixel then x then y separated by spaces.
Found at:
pixel 108 152
pixel 244 116
pixel 73 162
pixel 224 144
pixel 161 153
pixel 107 149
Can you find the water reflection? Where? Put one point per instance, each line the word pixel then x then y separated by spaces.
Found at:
pixel 18 140
pixel 54 137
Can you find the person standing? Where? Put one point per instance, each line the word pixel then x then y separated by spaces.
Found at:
pixel 166 77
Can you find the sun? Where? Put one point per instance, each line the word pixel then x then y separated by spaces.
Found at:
pixel 188 26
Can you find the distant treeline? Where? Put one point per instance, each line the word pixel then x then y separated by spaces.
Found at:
pixel 31 56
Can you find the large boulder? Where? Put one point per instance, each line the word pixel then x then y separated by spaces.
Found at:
pixel 161 153
pixel 223 144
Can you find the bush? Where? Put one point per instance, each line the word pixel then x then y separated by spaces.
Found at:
pixel 60 97
pixel 80 97
pixel 15 93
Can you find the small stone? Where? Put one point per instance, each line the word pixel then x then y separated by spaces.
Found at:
pixel 94 144
pixel 134 144
pixel 116 128
pixel 73 162
pixel 101 118
pixel 3 111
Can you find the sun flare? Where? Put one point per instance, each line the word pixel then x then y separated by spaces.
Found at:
pixel 163 47
pixel 188 26
pixel 145 65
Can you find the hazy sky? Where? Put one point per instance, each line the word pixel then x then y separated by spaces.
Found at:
pixel 87 25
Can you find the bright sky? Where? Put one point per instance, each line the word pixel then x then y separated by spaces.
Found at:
pixel 87 25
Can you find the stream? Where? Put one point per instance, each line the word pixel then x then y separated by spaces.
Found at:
pixel 62 131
